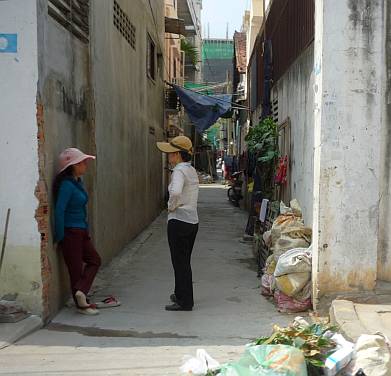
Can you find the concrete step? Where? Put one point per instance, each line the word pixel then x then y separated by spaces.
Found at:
pixel 12 332
pixel 356 319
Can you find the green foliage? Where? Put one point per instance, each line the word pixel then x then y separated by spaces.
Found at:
pixel 262 140
pixel 190 51
pixel 309 339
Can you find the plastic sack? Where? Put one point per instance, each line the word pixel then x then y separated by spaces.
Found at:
pixel 373 355
pixel 305 294
pixel 297 260
pixel 267 238
pixel 268 360
pixel 299 232
pixel 296 208
pixel 286 243
pixel 286 304
pixel 270 265
pixel 267 285
pixel 200 364
pixel 285 209
pixel 292 284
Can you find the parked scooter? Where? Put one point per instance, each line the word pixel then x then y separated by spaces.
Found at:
pixel 235 190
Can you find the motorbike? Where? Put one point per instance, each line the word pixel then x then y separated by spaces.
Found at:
pixel 235 188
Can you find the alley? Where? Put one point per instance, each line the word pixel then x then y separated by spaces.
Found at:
pixel 140 337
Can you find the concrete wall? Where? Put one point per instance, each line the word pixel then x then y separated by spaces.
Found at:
pixel 128 110
pixel 64 96
pixel 384 251
pixel 348 111
pixel 21 272
pixel 296 101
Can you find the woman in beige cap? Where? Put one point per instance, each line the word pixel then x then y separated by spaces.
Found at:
pixel 182 219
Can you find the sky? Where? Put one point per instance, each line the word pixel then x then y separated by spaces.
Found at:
pixel 218 12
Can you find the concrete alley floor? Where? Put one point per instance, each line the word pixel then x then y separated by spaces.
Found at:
pixel 140 337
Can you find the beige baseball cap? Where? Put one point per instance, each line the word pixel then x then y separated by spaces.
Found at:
pixel 180 143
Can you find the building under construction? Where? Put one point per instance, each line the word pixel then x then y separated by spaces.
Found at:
pixel 217 55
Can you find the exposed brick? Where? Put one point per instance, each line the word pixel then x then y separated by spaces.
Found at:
pixel 42 212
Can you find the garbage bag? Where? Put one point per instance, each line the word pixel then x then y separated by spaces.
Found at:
pixel 270 265
pixel 373 355
pixel 267 360
pixel 305 294
pixel 267 284
pixel 297 260
pixel 287 304
pixel 286 243
pixel 200 364
pixel 296 208
pixel 267 238
pixel 292 284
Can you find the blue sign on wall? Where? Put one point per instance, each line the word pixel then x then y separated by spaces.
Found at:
pixel 9 43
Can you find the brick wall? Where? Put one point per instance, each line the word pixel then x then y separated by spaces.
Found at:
pixel 42 212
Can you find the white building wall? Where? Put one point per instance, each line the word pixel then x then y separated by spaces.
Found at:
pixel 348 110
pixel 384 250
pixel 21 272
pixel 296 102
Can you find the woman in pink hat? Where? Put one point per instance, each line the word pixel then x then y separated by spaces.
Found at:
pixel 71 228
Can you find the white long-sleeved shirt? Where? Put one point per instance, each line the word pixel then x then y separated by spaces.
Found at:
pixel 183 189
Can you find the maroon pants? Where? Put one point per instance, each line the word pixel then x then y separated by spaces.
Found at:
pixel 81 259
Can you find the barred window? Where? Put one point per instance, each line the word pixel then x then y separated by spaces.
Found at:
pixel 124 26
pixel 151 58
pixel 73 15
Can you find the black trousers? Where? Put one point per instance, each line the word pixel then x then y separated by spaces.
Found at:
pixel 181 238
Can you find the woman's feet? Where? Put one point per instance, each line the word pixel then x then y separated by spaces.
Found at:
pixel 108 302
pixel 83 305
pixel 89 311
pixel 81 299
pixel 176 306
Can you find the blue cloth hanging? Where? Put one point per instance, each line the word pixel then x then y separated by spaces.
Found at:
pixel 203 110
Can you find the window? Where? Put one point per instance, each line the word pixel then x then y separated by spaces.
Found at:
pixel 73 15
pixel 124 26
pixel 151 58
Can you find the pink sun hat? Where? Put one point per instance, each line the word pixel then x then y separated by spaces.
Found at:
pixel 72 156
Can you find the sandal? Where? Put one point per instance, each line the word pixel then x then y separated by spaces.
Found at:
pixel 89 311
pixel 108 302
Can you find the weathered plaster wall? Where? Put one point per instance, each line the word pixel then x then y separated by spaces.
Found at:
pixel 129 119
pixel 21 272
pixel 296 101
pixel 64 97
pixel 384 251
pixel 348 108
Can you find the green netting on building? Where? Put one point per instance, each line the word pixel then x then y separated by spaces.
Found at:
pixel 217 49
pixel 200 88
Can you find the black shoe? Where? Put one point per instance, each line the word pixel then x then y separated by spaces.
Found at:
pixel 173 298
pixel 177 307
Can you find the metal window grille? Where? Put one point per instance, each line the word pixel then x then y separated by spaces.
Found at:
pixel 124 25
pixel 151 58
pixel 73 15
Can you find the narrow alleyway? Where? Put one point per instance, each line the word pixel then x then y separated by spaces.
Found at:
pixel 140 337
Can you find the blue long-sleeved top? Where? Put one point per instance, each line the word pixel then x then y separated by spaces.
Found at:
pixel 70 207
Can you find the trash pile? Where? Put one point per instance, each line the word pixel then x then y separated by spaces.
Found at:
pixel 301 349
pixel 287 273
pixel 205 178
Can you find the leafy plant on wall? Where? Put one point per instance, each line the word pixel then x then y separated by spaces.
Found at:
pixel 190 51
pixel 262 141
